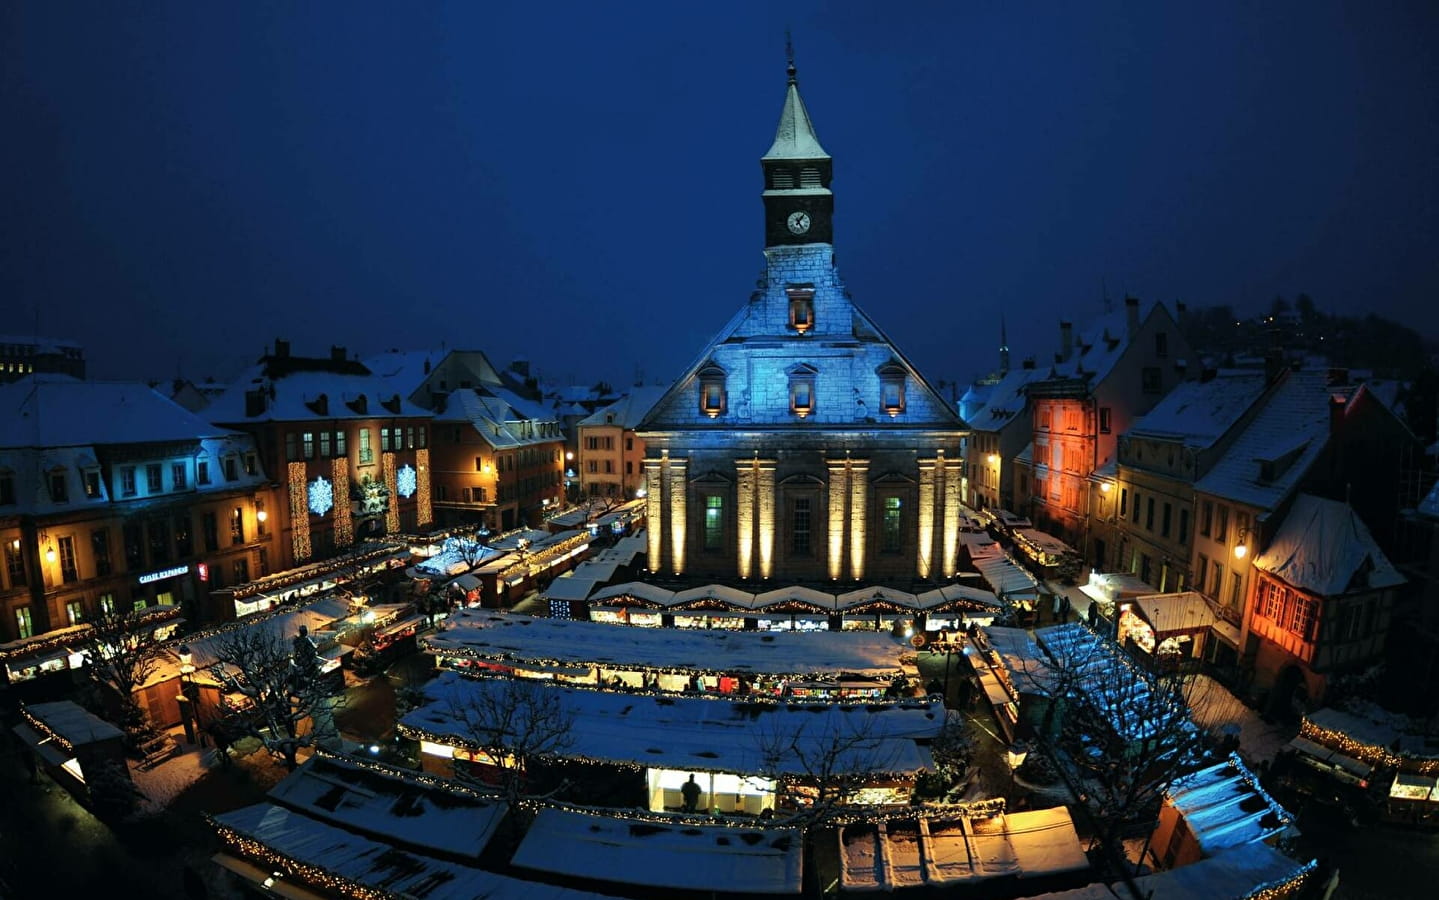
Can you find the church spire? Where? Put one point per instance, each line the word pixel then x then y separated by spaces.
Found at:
pixel 1003 348
pixel 795 137
pixel 797 170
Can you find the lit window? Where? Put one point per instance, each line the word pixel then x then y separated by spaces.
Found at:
pixel 801 389
pixel 891 388
pixel 714 522
pixel 890 529
pixel 801 307
pixel 712 391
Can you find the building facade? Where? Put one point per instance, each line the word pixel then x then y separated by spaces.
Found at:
pixel 611 455
pixel 351 455
pixel 99 511
pixel 802 446
pixel 22 356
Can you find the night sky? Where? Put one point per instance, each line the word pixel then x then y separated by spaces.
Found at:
pixel 180 183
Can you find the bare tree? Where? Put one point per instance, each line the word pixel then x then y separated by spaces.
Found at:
pixel 514 722
pixel 828 760
pixel 121 653
pixel 289 704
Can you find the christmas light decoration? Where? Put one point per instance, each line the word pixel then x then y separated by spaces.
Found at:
pixel 405 481
pixel 46 731
pixel 321 496
pixel 299 513
pixel 392 512
pixel 344 524
pixel 355 564
pixel 1379 757
pixel 422 504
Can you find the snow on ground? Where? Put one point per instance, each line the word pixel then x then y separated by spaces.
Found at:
pixel 1213 707
pixel 162 784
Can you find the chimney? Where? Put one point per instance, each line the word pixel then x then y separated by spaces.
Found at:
pixel 1131 312
pixel 521 367
pixel 1337 404
pixel 282 349
pixel 337 354
pixel 427 367
pixel 1066 340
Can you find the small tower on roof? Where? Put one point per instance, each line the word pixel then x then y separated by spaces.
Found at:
pixel 1003 348
pixel 798 205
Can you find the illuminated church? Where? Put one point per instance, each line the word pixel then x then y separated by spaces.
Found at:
pixel 802 446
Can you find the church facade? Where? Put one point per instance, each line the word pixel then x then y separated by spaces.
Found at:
pixel 802 446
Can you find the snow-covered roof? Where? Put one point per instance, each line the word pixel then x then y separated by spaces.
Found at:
pixel 637 589
pixel 1029 671
pixel 1102 344
pixel 1323 548
pixel 1234 874
pixel 391 804
pixel 718 593
pixel 1179 613
pixel 628 411
pixel 570 587
pixel 70 722
pixel 1276 447
pixel 296 396
pixel 498 422
pixel 1025 456
pixel 1006 578
pixel 701 734
pixel 51 411
pixel 511 638
pixel 379 866
pixel 907 853
pixel 795 137
pixel 1198 413
pixel 1004 400
pixel 737 600
pixel 1224 806
pixel 677 856
pixel 406 369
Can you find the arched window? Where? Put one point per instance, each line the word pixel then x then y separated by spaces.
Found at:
pixel 713 399
pixel 891 388
pixel 801 389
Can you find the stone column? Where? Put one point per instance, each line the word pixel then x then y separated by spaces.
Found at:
pixel 764 490
pixel 745 515
pixel 858 509
pixel 678 499
pixel 953 499
pixel 924 552
pixel 838 495
pixel 654 512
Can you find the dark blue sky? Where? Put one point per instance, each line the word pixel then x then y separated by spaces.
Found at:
pixel 578 183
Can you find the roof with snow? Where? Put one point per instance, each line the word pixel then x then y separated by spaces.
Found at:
pixel 1168 614
pixel 1270 456
pixel 70 722
pixel 1003 401
pixel 1225 806
pixel 1198 413
pixel 392 804
pixel 628 411
pixel 1103 343
pixel 350 391
pixel 679 856
pixel 376 865
pixel 1323 548
pixel 406 368
pixel 1235 874
pixel 795 137
pixel 514 639
pixel 905 853
pixel 58 411
pixel 701 734
pixel 501 425
pixel 796 598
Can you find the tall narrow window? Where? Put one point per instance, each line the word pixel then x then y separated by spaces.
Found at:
pixel 325 446
pixel 68 570
pixel 179 476
pixel 891 388
pixel 714 522
pixel 15 564
pixel 1165 520
pixel 308 440
pixel 713 398
pixel 891 533
pixel 801 389
pixel 59 492
pixel 292 447
pixel 1123 502
pixel 23 626
pixel 341 446
pixel 799 527
pixel 184 541
pixel 127 481
pixel 134 547
pixel 1184 526
pixel 158 531
pixel 154 478
pixel 366 454
pixel 75 612
pixel 262 526
pixel 212 531
pixel 1221 523
pixel 385 439
pixel 100 550
pixel 92 484
pixel 237 526
pixel 202 471
pixel 1206 517
pixel 801 308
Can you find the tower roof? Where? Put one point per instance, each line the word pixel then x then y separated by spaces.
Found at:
pixel 795 137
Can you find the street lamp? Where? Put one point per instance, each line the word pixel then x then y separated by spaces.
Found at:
pixel 1015 755
pixel 1241 549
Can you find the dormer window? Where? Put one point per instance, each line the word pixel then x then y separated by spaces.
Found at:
pixel 891 388
pixel 59 493
pixel 801 308
pixel 713 396
pixel 801 389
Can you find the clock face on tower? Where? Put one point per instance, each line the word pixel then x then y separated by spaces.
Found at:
pixel 798 222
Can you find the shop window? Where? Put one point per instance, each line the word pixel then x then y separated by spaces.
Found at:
pixel 107 604
pixel 801 308
pixel 713 399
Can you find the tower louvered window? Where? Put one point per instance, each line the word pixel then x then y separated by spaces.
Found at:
pixel 781 179
pixel 809 177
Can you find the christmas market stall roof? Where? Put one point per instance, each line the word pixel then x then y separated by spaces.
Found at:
pixel 700 734
pixel 1224 806
pixel 1186 612
pixel 515 639
pixel 1323 548
pixel 264 838
pixel 382 802
pixel 906 853
pixel 746 858
pixel 570 587
pixel 1235 874
pixel 798 599
pixel 72 724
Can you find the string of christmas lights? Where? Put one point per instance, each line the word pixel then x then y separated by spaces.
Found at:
pixel 363 560
pixel 299 512
pixel 392 509
pixel 45 730
pixel 1379 757
pixel 344 525
pixel 425 514
pixel 1285 887
pixel 313 875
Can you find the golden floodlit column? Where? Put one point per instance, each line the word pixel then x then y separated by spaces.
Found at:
pixel 764 490
pixel 838 494
pixel 858 508
pixel 953 497
pixel 924 553
pixel 654 512
pixel 744 515
pixel 677 487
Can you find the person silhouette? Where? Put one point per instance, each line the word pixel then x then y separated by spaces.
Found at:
pixel 691 793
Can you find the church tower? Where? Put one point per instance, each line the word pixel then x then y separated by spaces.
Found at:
pixel 798 205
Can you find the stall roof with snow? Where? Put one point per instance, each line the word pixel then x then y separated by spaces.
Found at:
pixel 1224 806
pixel 698 733
pixel 72 724
pixel 905 853
pixel 376 865
pixel 786 599
pixel 392 804
pixel 514 639
pixel 1235 874
pixel 668 855
pixel 1186 612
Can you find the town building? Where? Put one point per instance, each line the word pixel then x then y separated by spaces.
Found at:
pixel 802 445
pixel 113 497
pixel 611 455
pixel 22 356
pixel 1102 381
pixel 351 453
pixel 1001 426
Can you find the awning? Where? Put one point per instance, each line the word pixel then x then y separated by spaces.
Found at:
pixel 1331 757
pixel 413 621
pixel 467 582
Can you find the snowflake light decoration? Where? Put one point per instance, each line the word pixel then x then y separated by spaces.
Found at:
pixel 322 496
pixel 405 481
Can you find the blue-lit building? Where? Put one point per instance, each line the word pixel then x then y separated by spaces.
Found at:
pixel 801 445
